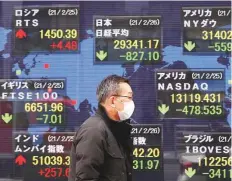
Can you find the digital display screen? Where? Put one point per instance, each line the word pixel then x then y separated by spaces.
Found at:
pixel 54 56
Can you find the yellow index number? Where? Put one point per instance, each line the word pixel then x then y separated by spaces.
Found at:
pixel 50 160
pixel 146 152
pixel 136 44
pixel 43 107
pixel 58 33
pixel 219 35
pixel 125 44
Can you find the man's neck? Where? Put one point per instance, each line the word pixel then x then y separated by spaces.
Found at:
pixel 110 112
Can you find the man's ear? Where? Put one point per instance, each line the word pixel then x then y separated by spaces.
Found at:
pixel 112 100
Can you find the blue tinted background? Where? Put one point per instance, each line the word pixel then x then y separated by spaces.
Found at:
pixel 82 76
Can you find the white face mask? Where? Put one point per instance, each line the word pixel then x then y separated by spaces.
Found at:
pixel 129 108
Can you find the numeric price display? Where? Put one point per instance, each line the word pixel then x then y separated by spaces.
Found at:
pixel 42 100
pixel 190 94
pixel 217 150
pixel 50 167
pixel 207 30
pixel 147 152
pixel 46 160
pixel 48 112
pixel 125 39
pixel 46 29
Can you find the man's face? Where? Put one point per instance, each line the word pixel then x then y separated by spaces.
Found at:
pixel 125 94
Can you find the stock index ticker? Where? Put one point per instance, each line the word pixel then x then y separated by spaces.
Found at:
pixel 120 39
pixel 191 94
pixel 46 29
pixel 206 30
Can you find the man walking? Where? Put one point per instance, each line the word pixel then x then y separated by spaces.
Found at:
pixel 101 150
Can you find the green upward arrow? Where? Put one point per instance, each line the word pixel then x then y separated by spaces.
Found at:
pixel 189 46
pixel 101 55
pixel 6 117
pixel 190 172
pixel 163 108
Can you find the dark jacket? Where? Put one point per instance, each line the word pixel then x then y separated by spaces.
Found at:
pixel 101 150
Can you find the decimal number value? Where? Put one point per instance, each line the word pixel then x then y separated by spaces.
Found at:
pixel 203 110
pixel 196 98
pixel 59 33
pixel 146 152
pixel 136 44
pixel 146 164
pixel 51 160
pixel 44 107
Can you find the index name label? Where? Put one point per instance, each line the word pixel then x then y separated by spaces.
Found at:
pixel 31 89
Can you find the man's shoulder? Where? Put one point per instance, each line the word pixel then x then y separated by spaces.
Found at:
pixel 93 123
pixel 93 128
